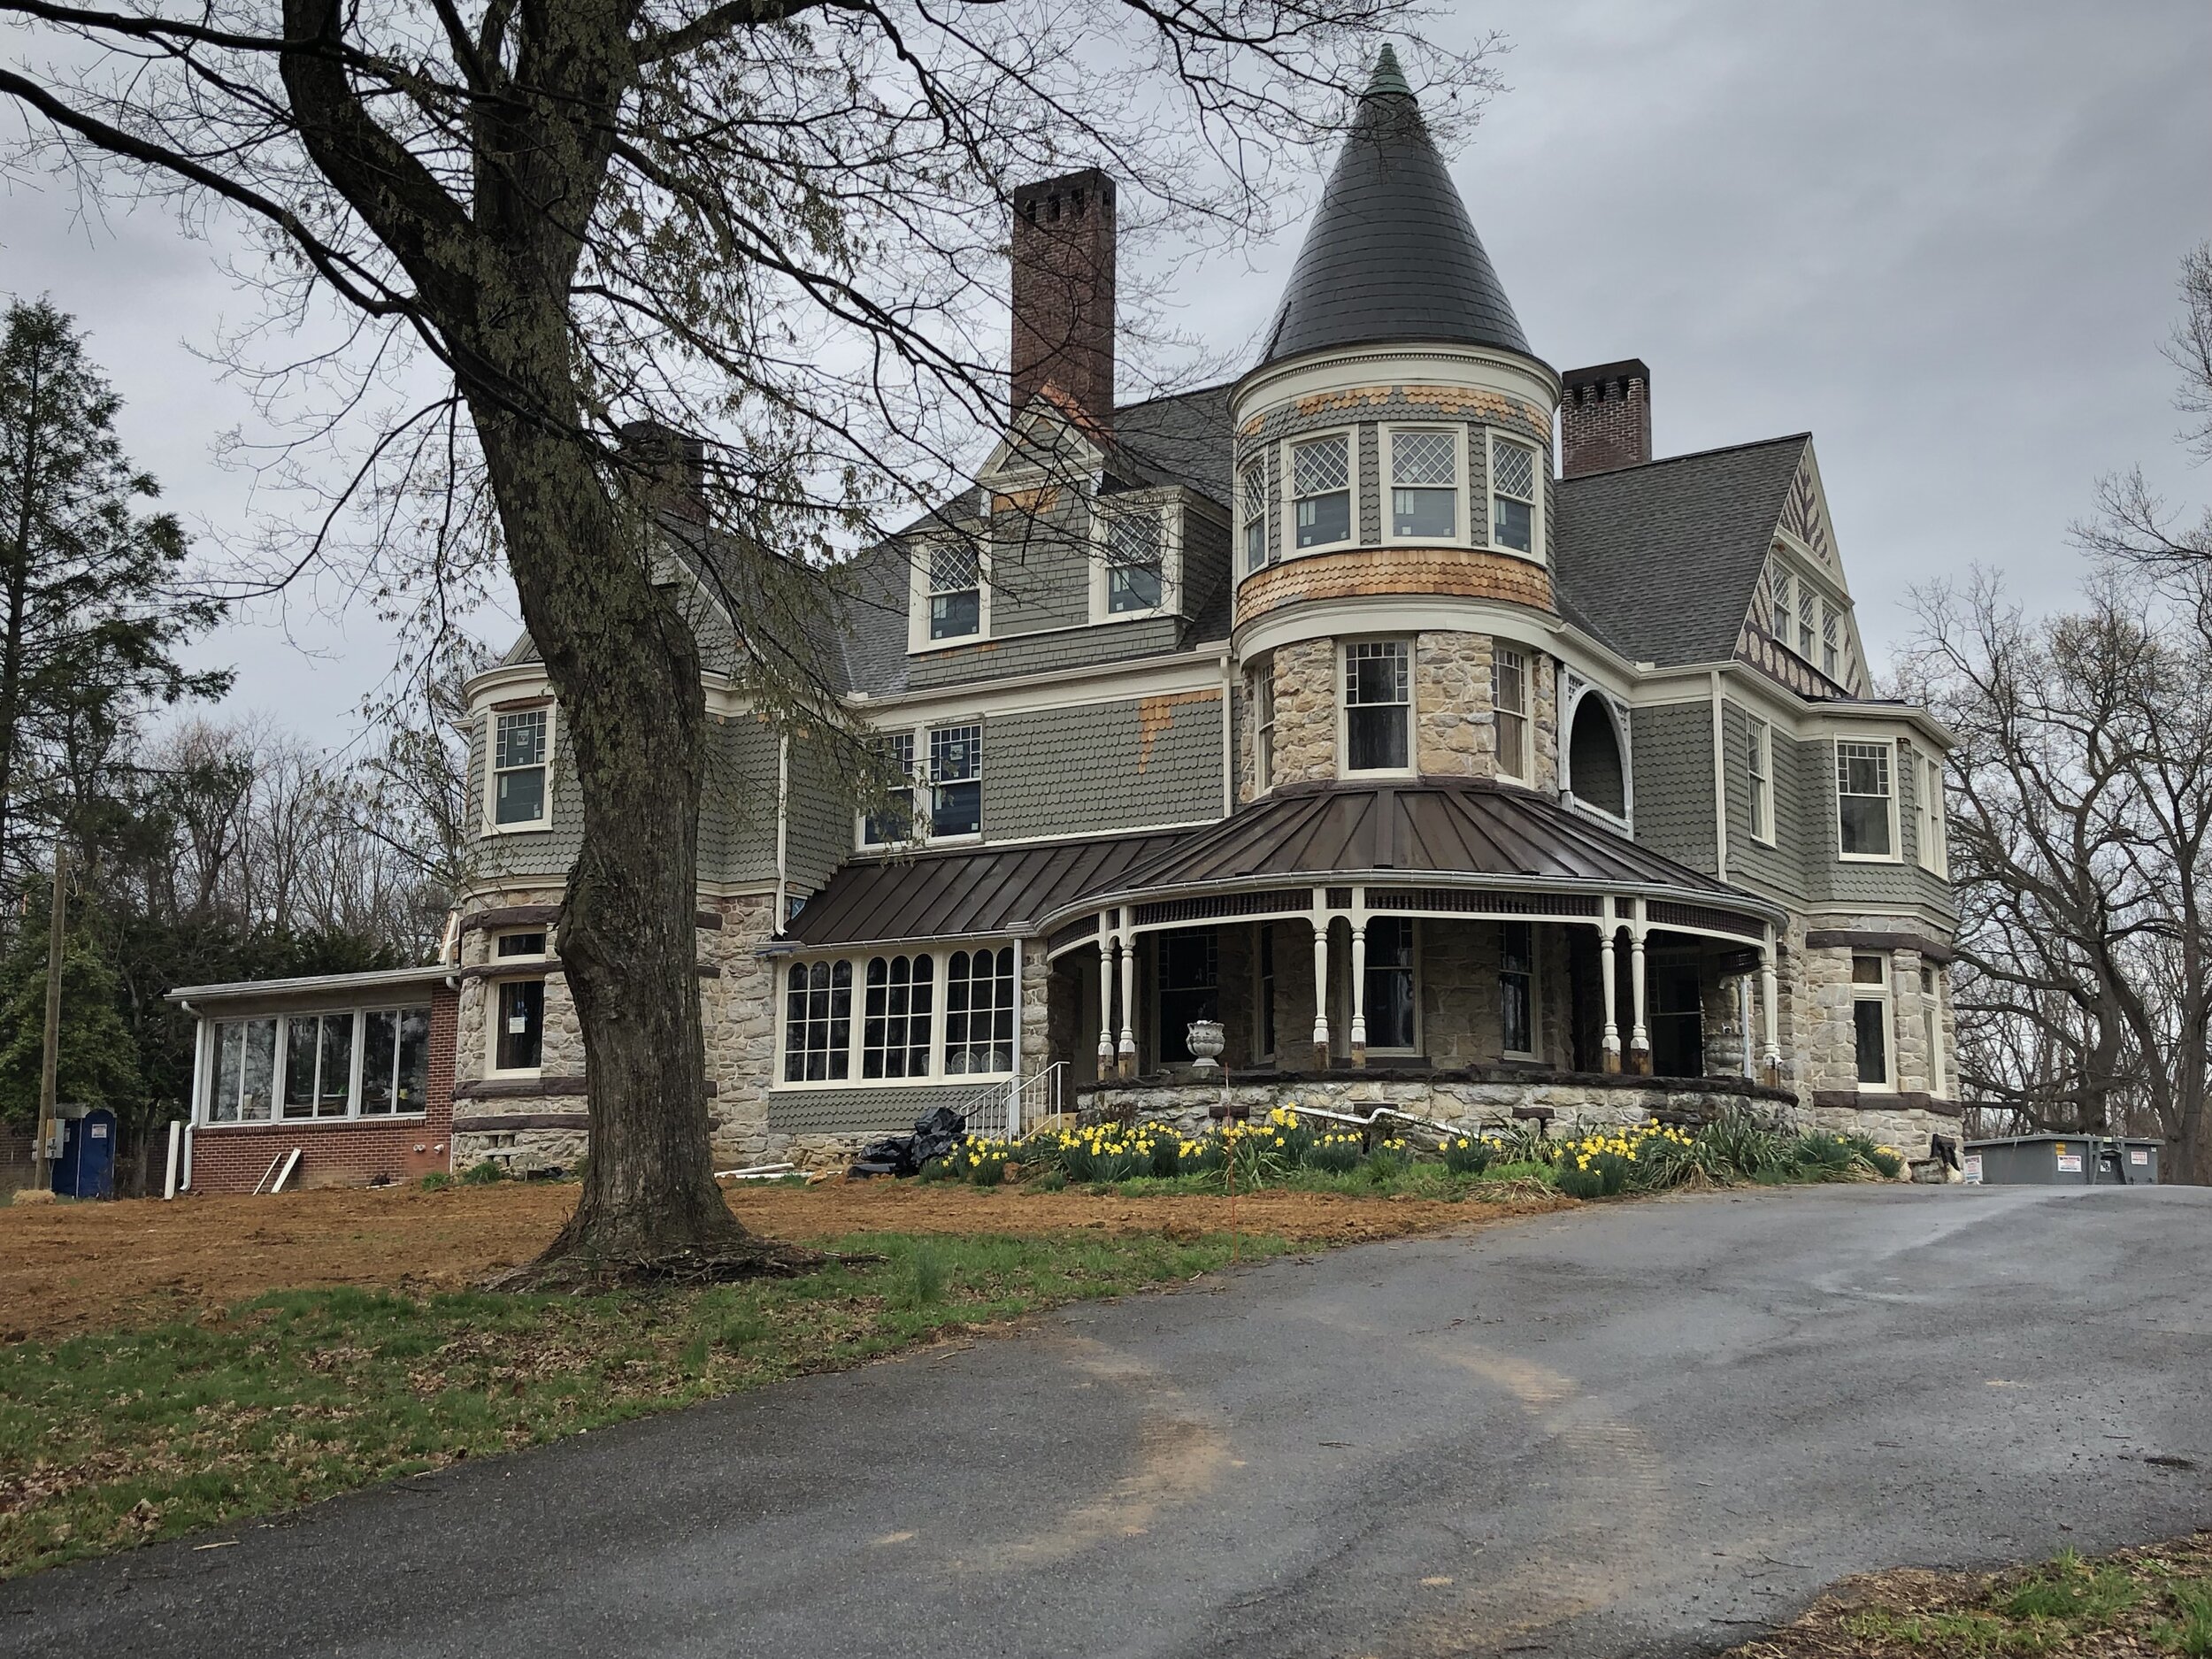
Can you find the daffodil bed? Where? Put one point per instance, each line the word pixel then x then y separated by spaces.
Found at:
pixel 1288 1149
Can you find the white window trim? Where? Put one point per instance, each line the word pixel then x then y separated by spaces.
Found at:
pixel 917 639
pixel 856 1047
pixel 1262 1019
pixel 1462 494
pixel 1932 828
pixel 203 1106
pixel 492 825
pixel 1759 784
pixel 1491 438
pixel 1526 715
pixel 1896 853
pixel 1887 992
pixel 1931 1021
pixel 1289 522
pixel 1420 1033
pixel 1535 995
pixel 1622 745
pixel 1412 767
pixel 919 785
pixel 1262 697
pixel 1170 512
pixel 528 967
pixel 1249 512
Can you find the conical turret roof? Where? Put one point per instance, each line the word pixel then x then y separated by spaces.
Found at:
pixel 1391 254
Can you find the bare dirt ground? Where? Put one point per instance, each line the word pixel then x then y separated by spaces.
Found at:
pixel 66 1269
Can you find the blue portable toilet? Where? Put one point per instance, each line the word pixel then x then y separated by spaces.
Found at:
pixel 86 1168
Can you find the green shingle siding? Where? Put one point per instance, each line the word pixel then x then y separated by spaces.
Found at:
pixel 1041 574
pixel 1101 767
pixel 861 1110
pixel 1673 781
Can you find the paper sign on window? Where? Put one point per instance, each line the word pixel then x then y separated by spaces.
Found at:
pixel 518 1023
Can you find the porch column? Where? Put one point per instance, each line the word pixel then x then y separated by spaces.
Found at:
pixel 1611 1044
pixel 1769 1018
pixel 1359 988
pixel 1126 1061
pixel 1639 1033
pixel 1320 987
pixel 1105 1001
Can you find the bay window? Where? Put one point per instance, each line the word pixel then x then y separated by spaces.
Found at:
pixel 979 1011
pixel 1509 699
pixel 1264 728
pixel 1254 516
pixel 1513 481
pixel 1864 801
pixel 818 1019
pixel 1377 705
pixel 1931 1028
pixel 1424 485
pixel 1808 614
pixel 1934 854
pixel 1779 618
pixel 1831 643
pixel 896 1017
pixel 1321 484
pixel 921 1017
pixel 519 742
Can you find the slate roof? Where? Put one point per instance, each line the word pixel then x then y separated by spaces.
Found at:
pixel 1660 561
pixel 1392 253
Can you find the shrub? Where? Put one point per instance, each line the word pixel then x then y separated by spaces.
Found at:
pixel 485 1173
pixel 436 1181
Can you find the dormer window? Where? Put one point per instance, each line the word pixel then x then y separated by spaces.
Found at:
pixel 955 592
pixel 1135 561
pixel 1512 496
pixel 1424 485
pixel 1321 481
pixel 1254 522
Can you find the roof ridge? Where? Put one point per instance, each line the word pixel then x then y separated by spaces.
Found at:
pixel 1177 397
pixel 1690 455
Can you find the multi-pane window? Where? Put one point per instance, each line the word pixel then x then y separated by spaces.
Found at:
pixel 1807 612
pixel 1934 851
pixel 518 1013
pixel 894 821
pixel 1516 989
pixel 1870 1019
pixel 1255 524
pixel 1190 987
pixel 519 766
pixel 1931 1028
pixel 1377 705
pixel 1780 616
pixel 1759 766
pixel 1862 799
pixel 955 591
pixel 1321 485
pixel 1832 644
pixel 1509 697
pixel 979 1011
pixel 318 1064
pixel 394 1060
pixel 1389 987
pixel 1264 727
pixel 1424 484
pixel 896 1017
pixel 244 1090
pixel 956 781
pixel 524 943
pixel 817 1022
pixel 1135 572
pixel 1512 496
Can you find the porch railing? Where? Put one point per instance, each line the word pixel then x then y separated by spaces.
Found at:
pixel 1002 1111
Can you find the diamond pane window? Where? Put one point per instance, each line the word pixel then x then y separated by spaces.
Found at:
pixel 1781 612
pixel 1321 473
pixel 955 592
pixel 1513 496
pixel 1254 516
pixel 1808 607
pixel 1831 639
pixel 1423 484
pixel 1133 570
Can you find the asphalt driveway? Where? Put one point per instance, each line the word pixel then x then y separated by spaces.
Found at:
pixel 1635 1429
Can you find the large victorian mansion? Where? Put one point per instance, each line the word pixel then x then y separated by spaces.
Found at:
pixel 1393 705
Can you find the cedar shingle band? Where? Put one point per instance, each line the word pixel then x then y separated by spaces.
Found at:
pixel 1362 572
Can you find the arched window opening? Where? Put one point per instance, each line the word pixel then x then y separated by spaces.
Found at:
pixel 1594 769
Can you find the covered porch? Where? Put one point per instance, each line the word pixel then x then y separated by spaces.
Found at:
pixel 1461 930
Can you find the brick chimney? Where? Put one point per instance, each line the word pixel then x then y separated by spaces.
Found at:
pixel 1605 418
pixel 666 471
pixel 1063 292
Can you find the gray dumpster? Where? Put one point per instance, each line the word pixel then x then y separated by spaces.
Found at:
pixel 2064 1161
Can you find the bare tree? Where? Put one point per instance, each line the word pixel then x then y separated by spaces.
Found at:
pixel 774 223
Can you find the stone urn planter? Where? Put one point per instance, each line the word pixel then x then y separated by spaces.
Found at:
pixel 1206 1040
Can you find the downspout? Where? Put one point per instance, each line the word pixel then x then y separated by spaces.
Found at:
pixel 1720 786
pixel 1228 737
pixel 783 834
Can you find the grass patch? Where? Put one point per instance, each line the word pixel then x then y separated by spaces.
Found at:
pixel 2151 1601
pixel 120 1439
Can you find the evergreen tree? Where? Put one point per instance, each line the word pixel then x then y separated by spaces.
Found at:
pixel 99 1056
pixel 90 625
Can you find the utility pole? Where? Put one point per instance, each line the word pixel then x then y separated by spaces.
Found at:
pixel 49 1061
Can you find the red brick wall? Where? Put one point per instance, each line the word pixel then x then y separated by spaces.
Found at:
pixel 1605 418
pixel 1063 291
pixel 340 1151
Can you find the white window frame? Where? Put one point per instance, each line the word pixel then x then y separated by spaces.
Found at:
pixel 492 768
pixel 1887 996
pixel 1252 512
pixel 1291 549
pixel 1782 599
pixel 1344 651
pixel 1832 649
pixel 924 758
pixel 1461 494
pixel 1759 773
pixel 857 1041
pixel 1895 854
pixel 527 968
pixel 203 1106
pixel 914 739
pixel 1540 473
pixel 1930 826
pixel 919 563
pixel 1169 514
pixel 922 787
pixel 1500 649
pixel 1809 602
pixel 1932 1025
pixel 1535 1050
pixel 1263 729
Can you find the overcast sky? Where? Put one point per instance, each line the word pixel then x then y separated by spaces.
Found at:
pixel 1942 237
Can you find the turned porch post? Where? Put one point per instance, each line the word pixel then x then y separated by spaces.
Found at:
pixel 1359 988
pixel 1105 1001
pixel 1769 1017
pixel 1639 1033
pixel 1610 975
pixel 1125 1059
pixel 1320 986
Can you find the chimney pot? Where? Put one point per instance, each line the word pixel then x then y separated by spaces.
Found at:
pixel 1064 293
pixel 1604 418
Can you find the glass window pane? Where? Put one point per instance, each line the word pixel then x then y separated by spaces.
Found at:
pixel 953 615
pixel 414 1059
pixel 1134 588
pixel 1514 526
pixel 1388 990
pixel 1325 518
pixel 1376 739
pixel 521 1016
pixel 258 1072
pixel 1871 1025
pixel 333 1091
pixel 520 945
pixel 380 1044
pixel 299 1066
pixel 1423 512
pixel 519 797
pixel 1515 471
pixel 230 1049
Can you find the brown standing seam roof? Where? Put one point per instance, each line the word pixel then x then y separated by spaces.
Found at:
pixel 966 895
pixel 1309 832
